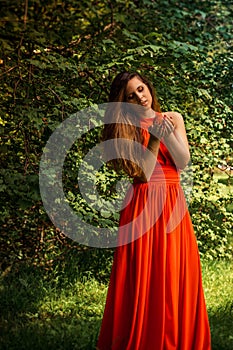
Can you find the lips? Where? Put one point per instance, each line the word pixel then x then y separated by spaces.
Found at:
pixel 143 103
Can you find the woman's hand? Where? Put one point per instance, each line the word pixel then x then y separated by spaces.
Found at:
pixel 176 142
pixel 161 128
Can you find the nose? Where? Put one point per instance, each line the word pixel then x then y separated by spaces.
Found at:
pixel 139 96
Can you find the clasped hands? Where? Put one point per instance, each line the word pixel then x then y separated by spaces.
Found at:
pixel 161 128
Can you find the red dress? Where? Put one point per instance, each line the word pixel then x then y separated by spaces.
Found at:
pixel 155 299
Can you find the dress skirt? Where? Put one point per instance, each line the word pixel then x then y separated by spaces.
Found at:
pixel 155 299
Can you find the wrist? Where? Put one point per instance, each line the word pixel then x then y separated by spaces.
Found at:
pixel 153 143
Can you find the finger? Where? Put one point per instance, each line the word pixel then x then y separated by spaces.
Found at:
pixel 169 125
pixel 158 131
pixel 168 120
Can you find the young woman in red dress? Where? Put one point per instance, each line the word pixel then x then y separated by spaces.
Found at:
pixel 155 299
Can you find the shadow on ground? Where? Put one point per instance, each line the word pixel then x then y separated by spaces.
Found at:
pixel 24 327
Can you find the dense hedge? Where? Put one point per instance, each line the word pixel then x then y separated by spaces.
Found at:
pixel 59 57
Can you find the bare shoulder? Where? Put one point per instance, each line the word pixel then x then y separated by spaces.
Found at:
pixel 175 117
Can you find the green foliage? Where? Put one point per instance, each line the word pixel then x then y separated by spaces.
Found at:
pixel 54 310
pixel 59 57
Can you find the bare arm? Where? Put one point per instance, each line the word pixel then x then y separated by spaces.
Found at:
pixel 173 133
pixel 160 129
pixel 177 142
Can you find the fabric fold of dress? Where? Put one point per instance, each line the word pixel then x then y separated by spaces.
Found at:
pixel 155 299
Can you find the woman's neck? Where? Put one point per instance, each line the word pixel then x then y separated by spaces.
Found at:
pixel 150 114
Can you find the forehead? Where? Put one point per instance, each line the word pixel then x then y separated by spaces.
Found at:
pixel 133 84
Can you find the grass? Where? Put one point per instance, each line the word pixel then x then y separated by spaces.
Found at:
pixel 62 309
pixel 218 287
pixel 49 311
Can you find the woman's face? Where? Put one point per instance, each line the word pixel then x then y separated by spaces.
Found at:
pixel 138 93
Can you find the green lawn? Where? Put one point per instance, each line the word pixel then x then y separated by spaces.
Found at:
pixel 50 311
pixel 218 287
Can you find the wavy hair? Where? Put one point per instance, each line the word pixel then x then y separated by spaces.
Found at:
pixel 122 122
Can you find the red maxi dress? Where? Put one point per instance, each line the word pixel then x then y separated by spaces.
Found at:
pixel 155 299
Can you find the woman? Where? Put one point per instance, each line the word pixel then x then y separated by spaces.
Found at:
pixel 155 299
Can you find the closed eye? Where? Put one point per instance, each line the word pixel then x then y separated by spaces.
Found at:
pixel 132 95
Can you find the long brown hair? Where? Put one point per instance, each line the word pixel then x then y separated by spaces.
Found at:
pixel 121 122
